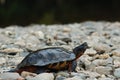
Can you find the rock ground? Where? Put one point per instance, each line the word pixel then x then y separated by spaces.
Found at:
pixel 100 62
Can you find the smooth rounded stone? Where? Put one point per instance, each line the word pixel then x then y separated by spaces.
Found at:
pixel 66 29
pixel 117 72
pixel 103 70
pixel 93 41
pixel 116 63
pixel 38 34
pixel 115 40
pixel 59 42
pixel 116 52
pixel 94 34
pixel 106 34
pixel 109 61
pixel 24 74
pixel 5 46
pixel 86 61
pixel 90 74
pixel 59 77
pixel 91 79
pixel 116 58
pixel 32 43
pixel 101 56
pixel 105 79
pixel 15 61
pixel 115 32
pixel 90 52
pixel 67 40
pixel 9 32
pixel 68 47
pixel 49 40
pixel 5 39
pixel 87 64
pixel 111 76
pixel 42 76
pixel 81 75
pixel 74 78
pixel 60 36
pixel 99 62
pixel 114 25
pixel 89 30
pixel 11 76
pixel 63 73
pixel 85 57
pixel 11 50
pixel 20 43
pixel 2 60
pixel 101 48
pixel 4 69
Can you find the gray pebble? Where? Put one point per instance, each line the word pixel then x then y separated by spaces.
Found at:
pixel 117 73
pixel 10 76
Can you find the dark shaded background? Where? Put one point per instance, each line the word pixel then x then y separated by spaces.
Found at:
pixel 25 12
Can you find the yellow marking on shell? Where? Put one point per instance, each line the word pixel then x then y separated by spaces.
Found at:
pixel 63 64
pixel 57 66
pixel 50 65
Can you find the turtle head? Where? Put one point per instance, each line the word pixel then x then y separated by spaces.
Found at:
pixel 79 50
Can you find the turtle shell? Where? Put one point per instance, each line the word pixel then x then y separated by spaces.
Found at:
pixel 47 56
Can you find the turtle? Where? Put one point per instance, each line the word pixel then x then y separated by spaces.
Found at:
pixel 51 59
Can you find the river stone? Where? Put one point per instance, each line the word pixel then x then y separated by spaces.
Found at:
pixel 63 73
pixel 20 43
pixel 104 56
pixel 74 78
pixel 2 60
pixel 66 29
pixel 117 73
pixel 91 79
pixel 24 74
pixel 11 50
pixel 100 62
pixel 103 70
pixel 59 77
pixel 85 60
pixel 116 63
pixel 101 48
pixel 91 74
pixel 42 76
pixel 32 43
pixel 116 52
pixel 10 76
pixel 38 34
pixel 105 79
pixel 82 74
pixel 90 52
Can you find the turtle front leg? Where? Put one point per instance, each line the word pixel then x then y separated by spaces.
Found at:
pixel 74 65
pixel 70 68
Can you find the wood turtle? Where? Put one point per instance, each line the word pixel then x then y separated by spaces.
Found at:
pixel 51 59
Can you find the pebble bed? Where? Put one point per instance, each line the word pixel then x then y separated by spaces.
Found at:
pixel 100 62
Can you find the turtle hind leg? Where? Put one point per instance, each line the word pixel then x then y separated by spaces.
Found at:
pixel 27 68
pixel 41 70
pixel 72 68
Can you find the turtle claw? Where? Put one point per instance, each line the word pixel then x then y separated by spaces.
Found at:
pixel 70 75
